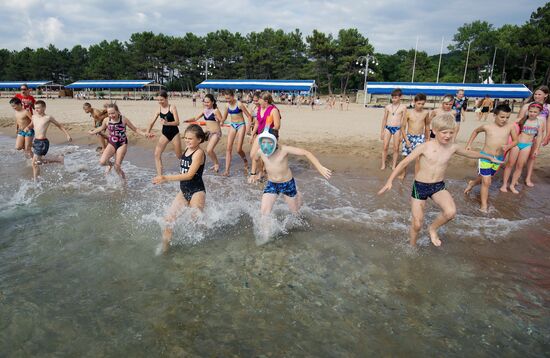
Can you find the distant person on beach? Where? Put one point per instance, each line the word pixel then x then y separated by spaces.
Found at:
pixel 531 132
pixel 194 98
pixel 540 95
pixel 23 127
pixel 458 107
pixel 415 128
pixel 170 121
pixel 27 100
pixel 496 145
pixel 41 144
pixel 446 108
pixel 192 190
pixel 117 145
pixel 394 114
pixel 486 106
pixel 267 115
pixel 213 120
pixel 347 103
pixel 279 175
pixel 239 127
pixel 433 158
pixel 97 117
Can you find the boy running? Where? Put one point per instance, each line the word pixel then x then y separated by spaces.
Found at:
pixel 496 145
pixel 434 157
pixel 23 127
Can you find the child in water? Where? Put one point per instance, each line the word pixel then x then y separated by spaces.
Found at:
pixel 434 157
pixel 192 191
pixel 23 127
pixel 394 114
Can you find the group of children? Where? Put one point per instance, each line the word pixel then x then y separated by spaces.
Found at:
pixel 429 140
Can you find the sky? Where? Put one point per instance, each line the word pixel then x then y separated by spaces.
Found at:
pixel 390 25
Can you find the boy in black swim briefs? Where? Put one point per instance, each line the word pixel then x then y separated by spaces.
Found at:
pixel 434 156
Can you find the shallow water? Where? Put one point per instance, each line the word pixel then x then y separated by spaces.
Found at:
pixel 79 275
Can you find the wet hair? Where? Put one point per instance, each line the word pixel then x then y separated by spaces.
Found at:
pixel 212 99
pixel 524 119
pixel 197 131
pixel 420 97
pixel 502 108
pixel 87 104
pixel 15 101
pixel 112 105
pixel 448 98
pixel 40 102
pixel 443 122
pixel 266 96
pixel 543 89
pixel 397 92
pixel 229 92
pixel 163 94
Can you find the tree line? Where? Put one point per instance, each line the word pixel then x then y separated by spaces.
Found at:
pixel 523 55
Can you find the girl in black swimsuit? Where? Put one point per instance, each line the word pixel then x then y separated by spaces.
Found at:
pixel 170 132
pixel 192 191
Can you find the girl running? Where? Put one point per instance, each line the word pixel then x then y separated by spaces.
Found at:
pixel 192 191
pixel 238 129
pixel 170 120
pixel 213 119
pixel 117 141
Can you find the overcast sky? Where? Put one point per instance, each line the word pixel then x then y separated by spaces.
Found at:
pixel 390 25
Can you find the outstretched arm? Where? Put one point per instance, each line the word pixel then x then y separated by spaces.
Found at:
pixel 476 155
pixel 60 126
pixel 194 119
pixel 473 136
pixel 152 123
pixel 135 129
pixel 99 129
pixel 325 172
pixel 408 159
pixel 198 158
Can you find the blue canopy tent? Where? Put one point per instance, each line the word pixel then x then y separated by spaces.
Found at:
pixel 441 89
pixel 115 84
pixel 260 85
pixel 17 84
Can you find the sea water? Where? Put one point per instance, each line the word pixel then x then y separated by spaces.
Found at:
pixel 79 275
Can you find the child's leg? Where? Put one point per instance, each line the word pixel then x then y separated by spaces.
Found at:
pixel 530 167
pixel 159 149
pixel 119 157
pixel 20 142
pixel 177 145
pixel 28 146
pixel 520 163
pixel 36 160
pixel 172 214
pixel 268 200
pixel 396 142
pixel 106 156
pixel 294 203
pixel 510 163
pixel 417 219
pixel 445 201
pixel 457 128
pixel 472 184
pixel 484 193
pixel 385 146
pixel 197 200
pixel 212 142
pixel 228 151
pixel 240 151
pixel 102 141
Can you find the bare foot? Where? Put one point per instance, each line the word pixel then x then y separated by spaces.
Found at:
pixel 503 189
pixel 165 245
pixel 383 167
pixel 434 237
pixel 469 187
pixel 484 210
pixel 529 183
pixel 513 189
pixel 226 173
pixel 215 168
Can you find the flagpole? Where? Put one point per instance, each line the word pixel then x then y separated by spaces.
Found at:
pixel 466 65
pixel 439 65
pixel 414 61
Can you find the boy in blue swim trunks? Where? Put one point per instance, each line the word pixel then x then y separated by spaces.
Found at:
pixel 433 157
pixel 280 179
pixel 415 128
pixel 23 127
pixel 394 114
pixel 496 145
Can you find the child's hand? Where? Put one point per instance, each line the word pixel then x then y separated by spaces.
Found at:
pixel 496 161
pixel 408 144
pixel 69 139
pixel 325 172
pixel 163 122
pixel 506 147
pixel 545 141
pixel 535 153
pixel 252 179
pixel 149 135
pixel 385 188
pixel 91 132
pixel 159 179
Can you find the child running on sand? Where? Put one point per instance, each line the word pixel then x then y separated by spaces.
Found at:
pixel 117 145
pixel 41 144
pixel 280 178
pixel 238 129
pixel 192 191
pixel 392 127
pixel 496 145
pixel 23 127
pixel 434 157
pixel 98 117
pixel 170 121
pixel 531 131
pixel 415 128
pixel 213 120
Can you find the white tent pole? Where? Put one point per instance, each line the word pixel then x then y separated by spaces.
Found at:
pixel 414 61
pixel 439 65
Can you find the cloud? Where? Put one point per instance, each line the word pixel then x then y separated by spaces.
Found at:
pixel 390 25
